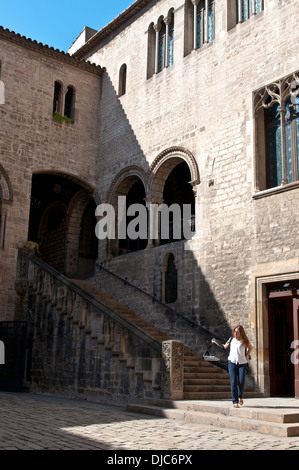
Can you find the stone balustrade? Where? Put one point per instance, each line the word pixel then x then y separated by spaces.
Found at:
pixel 82 347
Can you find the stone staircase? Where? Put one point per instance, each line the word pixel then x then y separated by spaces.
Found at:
pixel 202 379
pixel 277 417
pixel 205 381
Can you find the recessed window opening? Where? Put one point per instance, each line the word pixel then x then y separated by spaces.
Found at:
pixel 122 80
pixel 160 44
pixel 248 8
pixel 171 281
pixel 57 100
pixel 69 103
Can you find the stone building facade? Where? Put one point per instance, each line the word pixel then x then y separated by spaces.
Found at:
pixel 189 102
pixel 45 162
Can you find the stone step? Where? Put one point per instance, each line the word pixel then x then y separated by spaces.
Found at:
pixel 222 414
pixel 206 381
pixel 200 376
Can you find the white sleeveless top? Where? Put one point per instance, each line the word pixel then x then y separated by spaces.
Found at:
pixel 237 352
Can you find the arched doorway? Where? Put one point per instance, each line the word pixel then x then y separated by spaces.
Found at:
pixel 172 189
pixel 62 222
pixel 128 191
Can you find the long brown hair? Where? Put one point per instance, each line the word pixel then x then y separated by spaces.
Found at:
pixel 243 337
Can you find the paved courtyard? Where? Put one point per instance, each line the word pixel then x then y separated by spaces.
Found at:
pixel 39 422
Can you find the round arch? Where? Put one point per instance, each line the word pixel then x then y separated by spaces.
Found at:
pixel 59 202
pixel 131 184
pixel 164 163
pixel 123 181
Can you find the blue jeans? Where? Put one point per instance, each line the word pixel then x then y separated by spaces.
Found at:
pixel 237 374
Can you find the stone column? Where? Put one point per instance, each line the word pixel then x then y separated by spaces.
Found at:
pixel 195 4
pixel 172 370
pixel 157 28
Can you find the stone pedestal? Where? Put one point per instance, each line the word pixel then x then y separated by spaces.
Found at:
pixel 172 370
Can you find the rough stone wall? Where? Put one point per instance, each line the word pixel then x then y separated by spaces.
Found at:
pixel 31 141
pixel 203 103
pixel 82 349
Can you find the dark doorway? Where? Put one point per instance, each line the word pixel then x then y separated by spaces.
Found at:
pixel 62 222
pixel 283 311
pixel 177 190
pixel 280 339
pixel 171 281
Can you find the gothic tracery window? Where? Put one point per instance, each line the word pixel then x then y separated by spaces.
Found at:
pixel 277 133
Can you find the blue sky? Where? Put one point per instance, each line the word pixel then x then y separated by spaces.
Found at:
pixel 57 23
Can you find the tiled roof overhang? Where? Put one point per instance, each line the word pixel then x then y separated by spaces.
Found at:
pixel 28 43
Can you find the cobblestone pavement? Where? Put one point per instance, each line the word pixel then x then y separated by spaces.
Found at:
pixel 38 422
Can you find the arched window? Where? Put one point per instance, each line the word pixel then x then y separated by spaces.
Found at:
pixel 151 51
pixel 169 280
pixel 160 53
pixel 122 80
pixel 199 24
pixel 165 42
pixel 57 100
pixel 69 105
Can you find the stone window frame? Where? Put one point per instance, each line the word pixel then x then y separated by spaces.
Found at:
pixel 64 101
pixel 154 37
pixel 69 102
pixel 122 81
pixel 278 93
pixel 234 12
pixel 191 24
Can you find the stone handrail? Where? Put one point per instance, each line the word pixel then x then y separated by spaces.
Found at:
pixel 54 301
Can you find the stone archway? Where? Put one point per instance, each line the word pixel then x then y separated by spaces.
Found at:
pixel 59 206
pixel 172 180
pixel 130 184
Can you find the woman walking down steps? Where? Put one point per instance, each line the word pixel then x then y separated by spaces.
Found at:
pixel 240 349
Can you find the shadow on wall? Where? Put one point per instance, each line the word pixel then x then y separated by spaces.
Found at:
pixel 124 170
